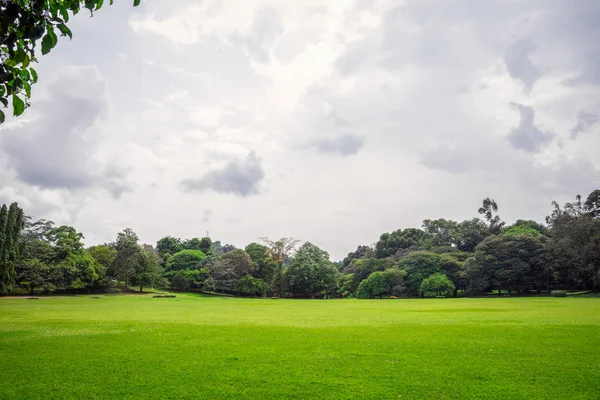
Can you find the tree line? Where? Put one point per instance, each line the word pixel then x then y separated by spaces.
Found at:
pixel 442 258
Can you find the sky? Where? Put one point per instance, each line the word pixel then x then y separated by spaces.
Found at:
pixel 327 121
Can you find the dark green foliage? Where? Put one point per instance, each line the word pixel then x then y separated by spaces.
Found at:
pixel 508 262
pixel 11 224
pixel 418 266
pixel 471 233
pixel 22 24
pixel 180 280
pixel 310 273
pixel 168 246
pixel 399 242
pixel 204 245
pixel 441 232
pixel 261 257
pixel 395 281
pixel 251 286
pixel 360 252
pixel 362 268
pixel 558 293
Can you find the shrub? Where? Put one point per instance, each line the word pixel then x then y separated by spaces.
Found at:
pixel 32 298
pixel 164 296
pixel 558 293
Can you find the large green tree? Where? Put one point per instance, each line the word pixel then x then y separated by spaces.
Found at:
pixel 508 262
pixel 311 273
pixel 400 242
pixel 261 257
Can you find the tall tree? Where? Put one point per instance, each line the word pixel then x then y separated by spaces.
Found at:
pixel 442 232
pixel 129 256
pixel 508 262
pixel 280 251
pixel 260 255
pixel 470 234
pixel 489 210
pixel 11 224
pixel 311 273
pixel 168 246
pixel 400 242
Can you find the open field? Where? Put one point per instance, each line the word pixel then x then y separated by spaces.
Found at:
pixel 198 347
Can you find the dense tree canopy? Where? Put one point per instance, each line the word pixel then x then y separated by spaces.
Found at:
pixel 444 258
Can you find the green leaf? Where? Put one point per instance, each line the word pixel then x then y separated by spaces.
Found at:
pixel 2 91
pixel 65 30
pixel 52 36
pixel 18 105
pixel 64 13
pixel 136 3
pixel 11 62
pixel 46 44
pixel 25 74
pixel 34 75
pixel 27 88
pixel 2 117
pixel 99 4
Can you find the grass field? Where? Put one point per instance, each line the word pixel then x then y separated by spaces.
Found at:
pixel 197 347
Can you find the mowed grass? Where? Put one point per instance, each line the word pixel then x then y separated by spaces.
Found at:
pixel 199 347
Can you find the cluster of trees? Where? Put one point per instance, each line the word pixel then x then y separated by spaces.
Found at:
pixel 442 258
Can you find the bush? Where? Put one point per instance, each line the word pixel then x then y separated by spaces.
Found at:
pixel 164 296
pixel 32 298
pixel 558 293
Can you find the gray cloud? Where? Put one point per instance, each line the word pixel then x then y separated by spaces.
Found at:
pixel 53 149
pixel 527 136
pixel 238 177
pixel 585 121
pixel 345 145
pixel 265 29
pixel 519 65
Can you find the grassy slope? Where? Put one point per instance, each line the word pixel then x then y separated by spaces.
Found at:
pixel 197 347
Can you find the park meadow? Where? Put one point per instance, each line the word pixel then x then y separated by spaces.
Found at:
pixel 195 346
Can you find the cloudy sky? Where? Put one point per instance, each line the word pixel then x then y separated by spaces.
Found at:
pixel 329 121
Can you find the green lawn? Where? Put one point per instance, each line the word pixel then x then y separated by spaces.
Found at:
pixel 198 347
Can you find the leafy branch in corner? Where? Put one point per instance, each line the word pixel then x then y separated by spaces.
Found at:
pixel 25 24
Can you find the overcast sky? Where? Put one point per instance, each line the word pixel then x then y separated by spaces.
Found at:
pixel 329 121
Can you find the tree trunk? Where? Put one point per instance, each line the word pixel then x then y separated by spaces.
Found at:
pixel 455 294
pixel 509 292
pixel 499 292
pixel 141 288
pixel 31 291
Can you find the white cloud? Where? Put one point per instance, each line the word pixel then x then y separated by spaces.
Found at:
pixel 415 94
